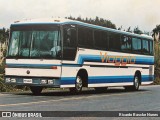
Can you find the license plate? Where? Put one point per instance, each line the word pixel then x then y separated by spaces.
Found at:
pixel 27 80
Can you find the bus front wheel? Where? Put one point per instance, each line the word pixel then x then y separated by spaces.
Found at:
pixel 78 85
pixel 136 84
pixel 36 90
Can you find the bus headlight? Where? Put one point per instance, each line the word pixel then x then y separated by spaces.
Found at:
pixel 43 81
pixel 50 81
pixel 8 80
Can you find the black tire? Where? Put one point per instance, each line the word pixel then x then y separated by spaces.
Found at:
pixel 78 85
pixel 100 89
pixel 36 90
pixel 136 84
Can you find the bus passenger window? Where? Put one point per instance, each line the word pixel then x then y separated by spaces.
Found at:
pixel 85 37
pixel 145 46
pixel 151 47
pixel 114 41
pixel 126 43
pixel 100 39
pixel 136 45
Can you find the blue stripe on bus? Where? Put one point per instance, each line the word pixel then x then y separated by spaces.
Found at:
pixel 81 60
pixel 106 79
pixel 68 80
pixel 146 78
pixel 46 66
pixel 110 79
pixel 97 58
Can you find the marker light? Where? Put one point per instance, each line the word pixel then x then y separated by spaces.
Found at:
pixel 56 20
pixel 16 21
pixel 54 67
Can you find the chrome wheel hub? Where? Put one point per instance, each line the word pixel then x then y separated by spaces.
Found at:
pixel 78 83
pixel 136 82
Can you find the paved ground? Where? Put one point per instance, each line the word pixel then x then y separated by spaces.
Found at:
pixel 114 99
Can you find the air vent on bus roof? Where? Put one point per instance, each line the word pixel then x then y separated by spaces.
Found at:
pixel 16 21
pixel 56 20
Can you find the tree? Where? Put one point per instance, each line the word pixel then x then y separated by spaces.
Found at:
pixel 96 21
pixel 4 34
pixel 137 30
pixel 156 36
pixel 120 28
pixel 146 33
pixel 156 33
pixel 129 29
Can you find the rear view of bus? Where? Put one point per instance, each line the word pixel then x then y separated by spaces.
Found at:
pixel 34 55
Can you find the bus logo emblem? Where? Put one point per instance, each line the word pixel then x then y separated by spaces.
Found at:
pixel 28 72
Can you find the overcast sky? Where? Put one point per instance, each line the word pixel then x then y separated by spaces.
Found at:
pixel 126 13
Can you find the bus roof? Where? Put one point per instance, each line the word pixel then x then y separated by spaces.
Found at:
pixel 68 21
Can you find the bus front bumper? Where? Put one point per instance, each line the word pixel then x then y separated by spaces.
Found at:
pixel 33 81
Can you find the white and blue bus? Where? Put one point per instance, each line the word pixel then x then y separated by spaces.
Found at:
pixel 63 53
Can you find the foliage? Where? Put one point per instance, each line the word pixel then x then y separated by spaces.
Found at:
pixel 4 87
pixel 157 54
pixel 157 63
pixel 4 34
pixel 156 81
pixel 137 30
pixel 129 30
pixel 157 29
pixel 96 21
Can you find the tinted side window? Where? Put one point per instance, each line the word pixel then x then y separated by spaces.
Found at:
pixel 126 43
pixel 145 46
pixel 151 47
pixel 114 41
pixel 136 45
pixel 85 37
pixel 100 39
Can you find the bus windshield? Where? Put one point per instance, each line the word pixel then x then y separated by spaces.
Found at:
pixel 35 42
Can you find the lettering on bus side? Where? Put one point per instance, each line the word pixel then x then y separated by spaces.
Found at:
pixel 118 60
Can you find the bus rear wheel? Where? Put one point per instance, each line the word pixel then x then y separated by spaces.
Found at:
pixel 36 90
pixel 136 84
pixel 78 85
